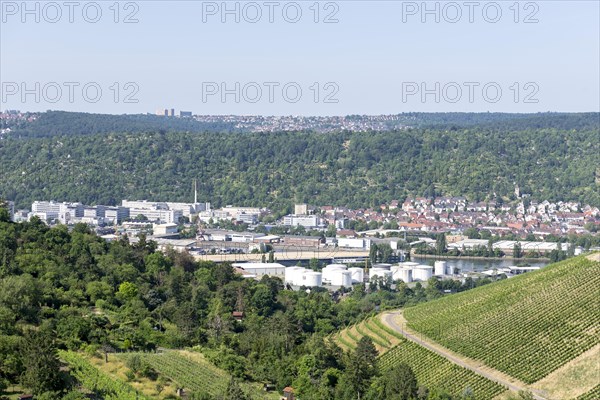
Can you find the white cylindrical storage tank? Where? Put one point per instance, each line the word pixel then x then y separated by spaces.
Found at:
pixel 299 276
pixel 373 272
pixel 387 274
pixel 382 266
pixel 312 278
pixel 409 263
pixel 336 266
pixel 291 274
pixel 422 272
pixel 401 273
pixel 380 273
pixel 440 268
pixel 346 278
pixel 341 278
pixel 358 274
pixel 406 275
pixel 329 269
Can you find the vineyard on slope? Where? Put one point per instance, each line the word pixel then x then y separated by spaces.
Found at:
pixel 435 371
pixel 196 376
pixel 527 326
pixel 383 337
pixel 431 370
pixel 108 387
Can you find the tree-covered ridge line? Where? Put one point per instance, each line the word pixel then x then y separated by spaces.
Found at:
pixel 277 170
pixel 61 123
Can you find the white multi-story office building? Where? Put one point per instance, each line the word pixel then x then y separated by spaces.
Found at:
pixel 157 215
pixel 45 209
pixel 189 209
pixel 249 219
pixel 69 212
pixel 186 209
pixel 115 215
pixel 307 221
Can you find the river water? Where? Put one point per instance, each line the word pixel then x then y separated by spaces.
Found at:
pixel 465 264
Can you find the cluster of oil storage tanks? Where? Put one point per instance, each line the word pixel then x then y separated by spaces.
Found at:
pixel 341 275
pixel 299 276
pixel 337 275
pixel 411 271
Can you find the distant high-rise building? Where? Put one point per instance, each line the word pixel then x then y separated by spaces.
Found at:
pixel 172 112
pixel 185 114
pixel 163 112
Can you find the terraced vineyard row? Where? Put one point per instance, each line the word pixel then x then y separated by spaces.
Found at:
pixel 108 387
pixel 383 337
pixel 198 377
pixel 527 326
pixel 435 371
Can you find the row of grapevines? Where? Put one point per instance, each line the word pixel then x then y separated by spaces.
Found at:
pixel 106 386
pixel 360 328
pixel 374 331
pixel 527 326
pixel 593 394
pixel 435 371
pixel 377 321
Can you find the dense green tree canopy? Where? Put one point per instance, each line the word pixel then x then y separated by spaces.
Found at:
pixel 554 158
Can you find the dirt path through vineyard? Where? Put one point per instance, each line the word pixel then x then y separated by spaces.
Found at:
pixel 396 321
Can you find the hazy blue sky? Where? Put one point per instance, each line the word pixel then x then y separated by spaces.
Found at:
pixel 376 59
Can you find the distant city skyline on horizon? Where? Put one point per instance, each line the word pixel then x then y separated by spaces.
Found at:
pixel 194 114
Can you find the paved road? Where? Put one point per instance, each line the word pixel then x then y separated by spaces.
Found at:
pixel 390 320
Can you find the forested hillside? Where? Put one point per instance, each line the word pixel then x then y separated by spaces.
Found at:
pixel 74 295
pixel 62 123
pixel 277 169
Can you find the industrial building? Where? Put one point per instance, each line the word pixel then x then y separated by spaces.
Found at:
pixel 354 243
pixel 507 246
pixel 259 269
pixel 217 235
pixel 302 241
pixel 164 229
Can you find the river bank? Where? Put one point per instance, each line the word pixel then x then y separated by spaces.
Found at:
pixel 505 258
